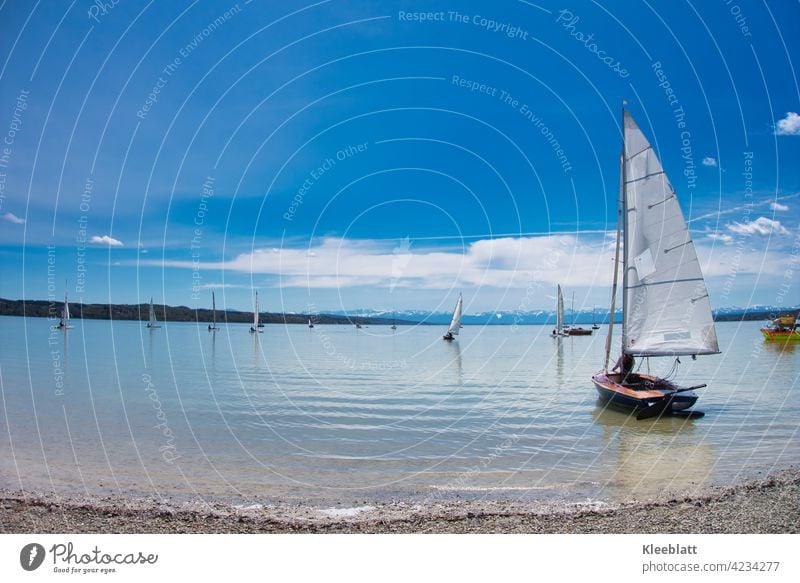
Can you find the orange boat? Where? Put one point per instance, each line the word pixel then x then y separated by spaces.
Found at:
pixel 782 329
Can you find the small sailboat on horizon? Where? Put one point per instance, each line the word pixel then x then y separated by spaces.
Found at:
pixel 573 330
pixel 665 305
pixel 213 325
pixel 559 329
pixel 310 323
pixel 256 327
pixel 594 318
pixel 63 322
pixel 151 316
pixel 455 323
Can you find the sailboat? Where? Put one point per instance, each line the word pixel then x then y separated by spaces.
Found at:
pixel 665 306
pixel 256 327
pixel 151 319
pixel 63 322
pixel 394 321
pixel 455 323
pixel 573 330
pixel 310 323
pixel 594 318
pixel 213 325
pixel 559 329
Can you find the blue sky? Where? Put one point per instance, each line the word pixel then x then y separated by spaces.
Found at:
pixel 340 155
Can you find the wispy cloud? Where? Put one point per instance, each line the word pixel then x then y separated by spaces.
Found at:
pixel 106 240
pixel 709 161
pixel 761 226
pixel 723 237
pixel 210 286
pixel 742 207
pixel 517 263
pixel 789 125
pixel 12 218
pixel 776 206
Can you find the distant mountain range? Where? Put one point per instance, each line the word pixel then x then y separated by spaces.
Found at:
pixel 548 317
pixel 44 309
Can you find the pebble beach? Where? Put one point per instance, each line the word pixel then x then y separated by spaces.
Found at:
pixel 767 505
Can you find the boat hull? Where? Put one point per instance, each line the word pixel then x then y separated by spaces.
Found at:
pixel 634 397
pixel 579 332
pixel 780 335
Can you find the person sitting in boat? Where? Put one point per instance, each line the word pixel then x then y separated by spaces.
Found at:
pixel 625 366
pixel 448 336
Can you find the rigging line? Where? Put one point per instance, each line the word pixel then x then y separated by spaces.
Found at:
pixel 631 157
pixel 693 300
pixel 643 284
pixel 649 206
pixel 677 246
pixel 645 177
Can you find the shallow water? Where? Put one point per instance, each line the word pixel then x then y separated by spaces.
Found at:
pixel 339 414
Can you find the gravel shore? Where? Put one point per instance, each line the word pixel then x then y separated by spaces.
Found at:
pixel 770 505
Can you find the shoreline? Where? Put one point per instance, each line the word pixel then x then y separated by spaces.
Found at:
pixel 768 505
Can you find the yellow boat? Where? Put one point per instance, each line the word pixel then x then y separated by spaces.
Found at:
pixel 782 329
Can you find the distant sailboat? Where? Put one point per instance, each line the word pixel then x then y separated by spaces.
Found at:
pixel 63 322
pixel 576 330
pixel 213 325
pixel 455 323
pixel 594 319
pixel 665 306
pixel 559 329
pixel 310 323
pixel 151 319
pixel 255 328
pixel 394 321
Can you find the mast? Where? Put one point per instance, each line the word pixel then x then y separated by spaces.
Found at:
pixel 213 309
pixel 625 256
pixel 620 207
pixel 573 308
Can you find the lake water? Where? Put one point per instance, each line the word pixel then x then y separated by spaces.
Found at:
pixel 335 413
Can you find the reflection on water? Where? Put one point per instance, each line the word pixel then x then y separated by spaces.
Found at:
pixel 645 459
pixel 336 412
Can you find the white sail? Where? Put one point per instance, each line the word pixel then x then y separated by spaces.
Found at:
pixel 65 311
pixel 151 320
pixel 255 314
pixel 455 323
pixel 560 312
pixel 666 306
pixel 213 309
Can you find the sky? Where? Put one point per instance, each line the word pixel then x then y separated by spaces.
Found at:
pixel 387 155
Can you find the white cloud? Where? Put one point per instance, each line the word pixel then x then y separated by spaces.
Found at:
pixel 720 237
pixel 106 240
pixel 776 206
pixel 507 263
pixel 789 125
pixel 221 286
pixel 761 226
pixel 709 161
pixel 12 218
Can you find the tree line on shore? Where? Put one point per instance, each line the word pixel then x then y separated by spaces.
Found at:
pixel 164 313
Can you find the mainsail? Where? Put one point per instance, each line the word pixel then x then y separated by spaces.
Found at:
pixel 255 313
pixel 666 306
pixel 455 323
pixel 560 312
pixel 65 311
pixel 151 320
